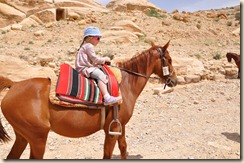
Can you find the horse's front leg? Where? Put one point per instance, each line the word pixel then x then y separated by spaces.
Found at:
pixel 109 145
pixel 110 142
pixel 122 144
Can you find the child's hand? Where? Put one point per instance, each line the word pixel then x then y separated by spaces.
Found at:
pixel 107 59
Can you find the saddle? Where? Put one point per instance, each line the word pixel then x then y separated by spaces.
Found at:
pixel 75 90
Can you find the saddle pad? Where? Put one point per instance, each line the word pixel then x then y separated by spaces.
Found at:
pixel 113 87
pixel 76 87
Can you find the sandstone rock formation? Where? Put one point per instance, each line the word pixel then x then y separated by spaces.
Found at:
pixel 16 11
pixel 130 5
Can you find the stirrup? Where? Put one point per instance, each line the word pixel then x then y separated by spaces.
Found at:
pixel 115 132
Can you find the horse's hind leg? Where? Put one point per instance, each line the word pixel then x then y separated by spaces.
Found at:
pixel 18 147
pixel 37 143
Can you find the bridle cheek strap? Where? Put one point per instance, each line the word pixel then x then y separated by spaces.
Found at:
pixel 165 69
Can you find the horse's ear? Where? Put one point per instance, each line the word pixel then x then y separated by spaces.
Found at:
pixel 153 44
pixel 166 46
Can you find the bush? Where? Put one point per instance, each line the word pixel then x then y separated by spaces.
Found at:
pixel 111 56
pixel 237 16
pixel 26 48
pixel 217 56
pixel 198 56
pixel 154 13
pixel 199 26
pixel 229 23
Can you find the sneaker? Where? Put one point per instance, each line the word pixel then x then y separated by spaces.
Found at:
pixel 111 100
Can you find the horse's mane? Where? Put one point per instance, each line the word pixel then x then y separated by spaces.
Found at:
pixel 131 61
pixel 138 60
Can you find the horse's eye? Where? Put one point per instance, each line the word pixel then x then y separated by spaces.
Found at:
pixel 170 61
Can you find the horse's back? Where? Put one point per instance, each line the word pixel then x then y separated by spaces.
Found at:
pixel 27 99
pixel 27 89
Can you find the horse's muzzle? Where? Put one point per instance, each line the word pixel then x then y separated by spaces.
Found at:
pixel 170 82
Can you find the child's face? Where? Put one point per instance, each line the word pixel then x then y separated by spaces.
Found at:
pixel 95 40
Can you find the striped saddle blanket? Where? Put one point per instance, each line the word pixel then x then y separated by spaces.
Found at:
pixel 73 87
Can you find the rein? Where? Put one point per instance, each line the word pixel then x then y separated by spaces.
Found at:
pixel 146 76
pixel 135 73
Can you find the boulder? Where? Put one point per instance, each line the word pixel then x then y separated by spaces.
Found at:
pixel 28 22
pixel 188 66
pixel 78 3
pixel 130 5
pixel 121 36
pixel 21 70
pixel 11 12
pixel 128 25
pixel 46 16
pixel 16 27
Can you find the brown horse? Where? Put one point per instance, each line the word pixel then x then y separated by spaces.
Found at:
pixel 27 107
pixel 237 60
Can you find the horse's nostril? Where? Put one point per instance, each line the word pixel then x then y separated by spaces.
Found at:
pixel 171 82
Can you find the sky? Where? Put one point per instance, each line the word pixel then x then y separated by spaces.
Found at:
pixel 188 5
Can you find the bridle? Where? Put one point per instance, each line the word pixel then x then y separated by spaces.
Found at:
pixel 165 70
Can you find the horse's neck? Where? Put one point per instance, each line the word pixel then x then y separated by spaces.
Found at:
pixel 133 84
pixel 236 58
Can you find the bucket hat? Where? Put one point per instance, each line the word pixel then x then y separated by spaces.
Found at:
pixel 92 31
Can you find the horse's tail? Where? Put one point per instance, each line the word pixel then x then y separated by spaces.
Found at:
pixel 4 137
pixel 4 83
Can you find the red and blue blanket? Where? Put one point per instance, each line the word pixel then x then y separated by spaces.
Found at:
pixel 73 87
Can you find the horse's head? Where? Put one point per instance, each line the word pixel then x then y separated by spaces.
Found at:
pixel 163 66
pixel 229 56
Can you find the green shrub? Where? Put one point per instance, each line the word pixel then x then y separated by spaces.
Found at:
pixel 199 26
pixel 217 56
pixel 111 56
pixel 237 16
pixel 198 56
pixel 229 23
pixel 154 13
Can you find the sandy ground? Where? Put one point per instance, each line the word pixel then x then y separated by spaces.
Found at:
pixel 197 121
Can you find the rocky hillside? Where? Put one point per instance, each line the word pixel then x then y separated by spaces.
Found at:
pixel 46 33
pixel 41 11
